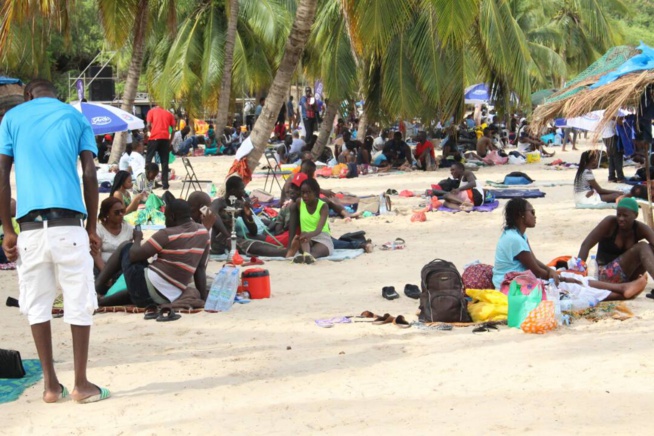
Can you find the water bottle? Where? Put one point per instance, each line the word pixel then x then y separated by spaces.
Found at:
pixel 592 268
pixel 576 304
pixel 553 295
pixel 382 205
pixel 223 290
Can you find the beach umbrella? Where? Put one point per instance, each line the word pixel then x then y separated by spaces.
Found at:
pixel 477 94
pixel 539 96
pixel 108 119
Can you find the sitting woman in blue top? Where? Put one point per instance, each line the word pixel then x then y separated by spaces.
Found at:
pixel 315 237
pixel 514 254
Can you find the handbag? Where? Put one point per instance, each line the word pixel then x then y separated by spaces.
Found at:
pixel 11 365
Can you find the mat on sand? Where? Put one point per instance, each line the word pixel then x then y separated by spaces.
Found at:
pixel 501 185
pixel 487 207
pixel 517 193
pixel 597 206
pixel 12 388
pixel 337 256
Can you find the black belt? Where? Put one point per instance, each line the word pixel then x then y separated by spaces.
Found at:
pixel 37 225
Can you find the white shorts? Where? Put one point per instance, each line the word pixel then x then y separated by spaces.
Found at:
pixel 56 256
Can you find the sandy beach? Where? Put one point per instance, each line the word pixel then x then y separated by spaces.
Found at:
pixel 266 368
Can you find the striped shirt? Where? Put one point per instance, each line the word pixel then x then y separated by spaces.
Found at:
pixel 179 252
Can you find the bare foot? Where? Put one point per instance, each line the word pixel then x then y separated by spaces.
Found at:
pixel 632 289
pixel 52 396
pixel 368 247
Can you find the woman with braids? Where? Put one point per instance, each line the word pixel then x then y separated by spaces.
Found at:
pixel 120 190
pixel 587 191
pixel 514 254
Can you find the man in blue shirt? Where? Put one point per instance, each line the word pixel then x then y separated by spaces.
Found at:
pixel 43 138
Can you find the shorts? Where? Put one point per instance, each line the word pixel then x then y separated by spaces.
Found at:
pixel 612 273
pixel 325 239
pixel 55 257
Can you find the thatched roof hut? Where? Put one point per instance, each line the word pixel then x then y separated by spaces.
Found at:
pixel 577 98
pixel 11 94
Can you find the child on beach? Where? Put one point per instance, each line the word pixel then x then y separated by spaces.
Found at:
pixel 315 238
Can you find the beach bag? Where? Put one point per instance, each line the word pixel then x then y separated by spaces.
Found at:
pixel 448 184
pixel 442 298
pixel 487 305
pixel 11 365
pixel 520 305
pixel 540 320
pixel 478 276
pixel 368 204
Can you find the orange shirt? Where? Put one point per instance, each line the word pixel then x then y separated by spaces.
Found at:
pixel 160 120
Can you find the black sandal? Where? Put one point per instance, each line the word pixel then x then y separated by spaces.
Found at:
pixel 486 327
pixel 151 312
pixel 166 314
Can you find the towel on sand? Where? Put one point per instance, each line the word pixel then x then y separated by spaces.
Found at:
pixel 486 207
pixel 12 388
pixel 517 193
pixel 337 256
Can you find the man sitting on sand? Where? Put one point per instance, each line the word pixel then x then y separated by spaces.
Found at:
pixel 424 153
pixel 528 143
pixel 182 253
pixel 398 153
pixel 468 194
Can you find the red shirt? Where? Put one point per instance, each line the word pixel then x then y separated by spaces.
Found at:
pixel 421 147
pixel 160 120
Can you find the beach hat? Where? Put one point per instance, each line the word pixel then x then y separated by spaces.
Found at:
pixel 298 179
pixel 628 203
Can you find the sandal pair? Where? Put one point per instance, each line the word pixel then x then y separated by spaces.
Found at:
pixel 164 314
pixel 304 258
pixel 398 244
pixel 387 318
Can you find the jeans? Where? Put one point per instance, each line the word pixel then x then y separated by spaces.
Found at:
pixel 615 158
pixel 134 273
pixel 309 126
pixel 162 148
pixel 345 245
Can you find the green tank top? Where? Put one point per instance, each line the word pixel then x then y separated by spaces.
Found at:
pixel 309 222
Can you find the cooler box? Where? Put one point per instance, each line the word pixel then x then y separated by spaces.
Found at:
pixel 256 281
pixel 533 157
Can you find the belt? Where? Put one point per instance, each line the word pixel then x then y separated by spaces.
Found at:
pixel 37 225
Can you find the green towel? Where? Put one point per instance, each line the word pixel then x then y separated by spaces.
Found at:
pixel 12 388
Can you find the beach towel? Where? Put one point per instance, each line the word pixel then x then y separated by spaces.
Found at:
pixel 12 388
pixel 597 206
pixel 517 193
pixel 337 256
pixel 542 184
pixel 487 207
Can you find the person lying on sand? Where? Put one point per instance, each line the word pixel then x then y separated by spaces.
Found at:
pixel 514 254
pixel 468 194
pixel 624 245
pixel 587 191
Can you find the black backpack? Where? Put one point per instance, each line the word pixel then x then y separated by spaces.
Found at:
pixel 443 297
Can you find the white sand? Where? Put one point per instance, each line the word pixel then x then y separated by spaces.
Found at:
pixel 266 368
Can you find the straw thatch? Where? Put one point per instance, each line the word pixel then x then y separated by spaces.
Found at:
pixel 10 96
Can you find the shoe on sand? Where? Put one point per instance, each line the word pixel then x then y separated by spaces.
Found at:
pixel 103 395
pixel 388 292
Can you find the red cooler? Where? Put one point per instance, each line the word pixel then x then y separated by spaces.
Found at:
pixel 256 281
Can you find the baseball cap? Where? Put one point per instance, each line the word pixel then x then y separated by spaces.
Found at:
pixel 298 179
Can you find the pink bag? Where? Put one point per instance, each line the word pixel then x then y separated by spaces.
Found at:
pixel 526 279
pixel 493 158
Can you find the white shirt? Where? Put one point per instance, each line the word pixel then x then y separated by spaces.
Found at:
pixel 378 144
pixel 110 242
pixel 137 162
pixel 609 130
pixel 296 146
pixel 168 290
pixel 177 140
pixel 123 163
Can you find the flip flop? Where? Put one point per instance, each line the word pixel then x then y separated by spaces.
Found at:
pixel 299 258
pixel 63 394
pixel 384 319
pixel 309 259
pixel 486 327
pixel 401 322
pixel 391 191
pixel 254 261
pixel 367 314
pixel 103 395
pixel 166 314
pixel 151 312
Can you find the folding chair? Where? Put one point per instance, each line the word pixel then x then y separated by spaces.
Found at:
pixel 190 180
pixel 273 170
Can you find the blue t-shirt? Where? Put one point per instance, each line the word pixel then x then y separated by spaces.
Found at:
pixel 45 138
pixel 511 243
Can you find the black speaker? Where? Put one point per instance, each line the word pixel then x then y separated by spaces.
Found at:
pixel 103 87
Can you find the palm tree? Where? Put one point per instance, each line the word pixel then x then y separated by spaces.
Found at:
pixel 297 39
pixel 122 19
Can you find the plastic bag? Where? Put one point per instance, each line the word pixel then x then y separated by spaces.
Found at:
pixel 521 305
pixel 419 217
pixel 540 320
pixel 487 305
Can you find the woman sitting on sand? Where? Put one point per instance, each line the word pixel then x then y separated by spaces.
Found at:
pixel 587 191
pixel 514 254
pixel 620 255
pixel 315 239
pixel 112 230
pixel 120 190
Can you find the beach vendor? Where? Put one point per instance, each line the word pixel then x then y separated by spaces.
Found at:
pixel 587 191
pixel 514 254
pixel 468 194
pixel 624 245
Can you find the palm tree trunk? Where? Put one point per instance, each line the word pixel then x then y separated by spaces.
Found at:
pixel 297 39
pixel 325 129
pixel 226 84
pixel 363 126
pixel 133 75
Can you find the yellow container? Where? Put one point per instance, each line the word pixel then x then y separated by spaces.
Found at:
pixel 533 157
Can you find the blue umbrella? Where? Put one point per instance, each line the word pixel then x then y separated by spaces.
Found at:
pixel 108 119
pixel 477 94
